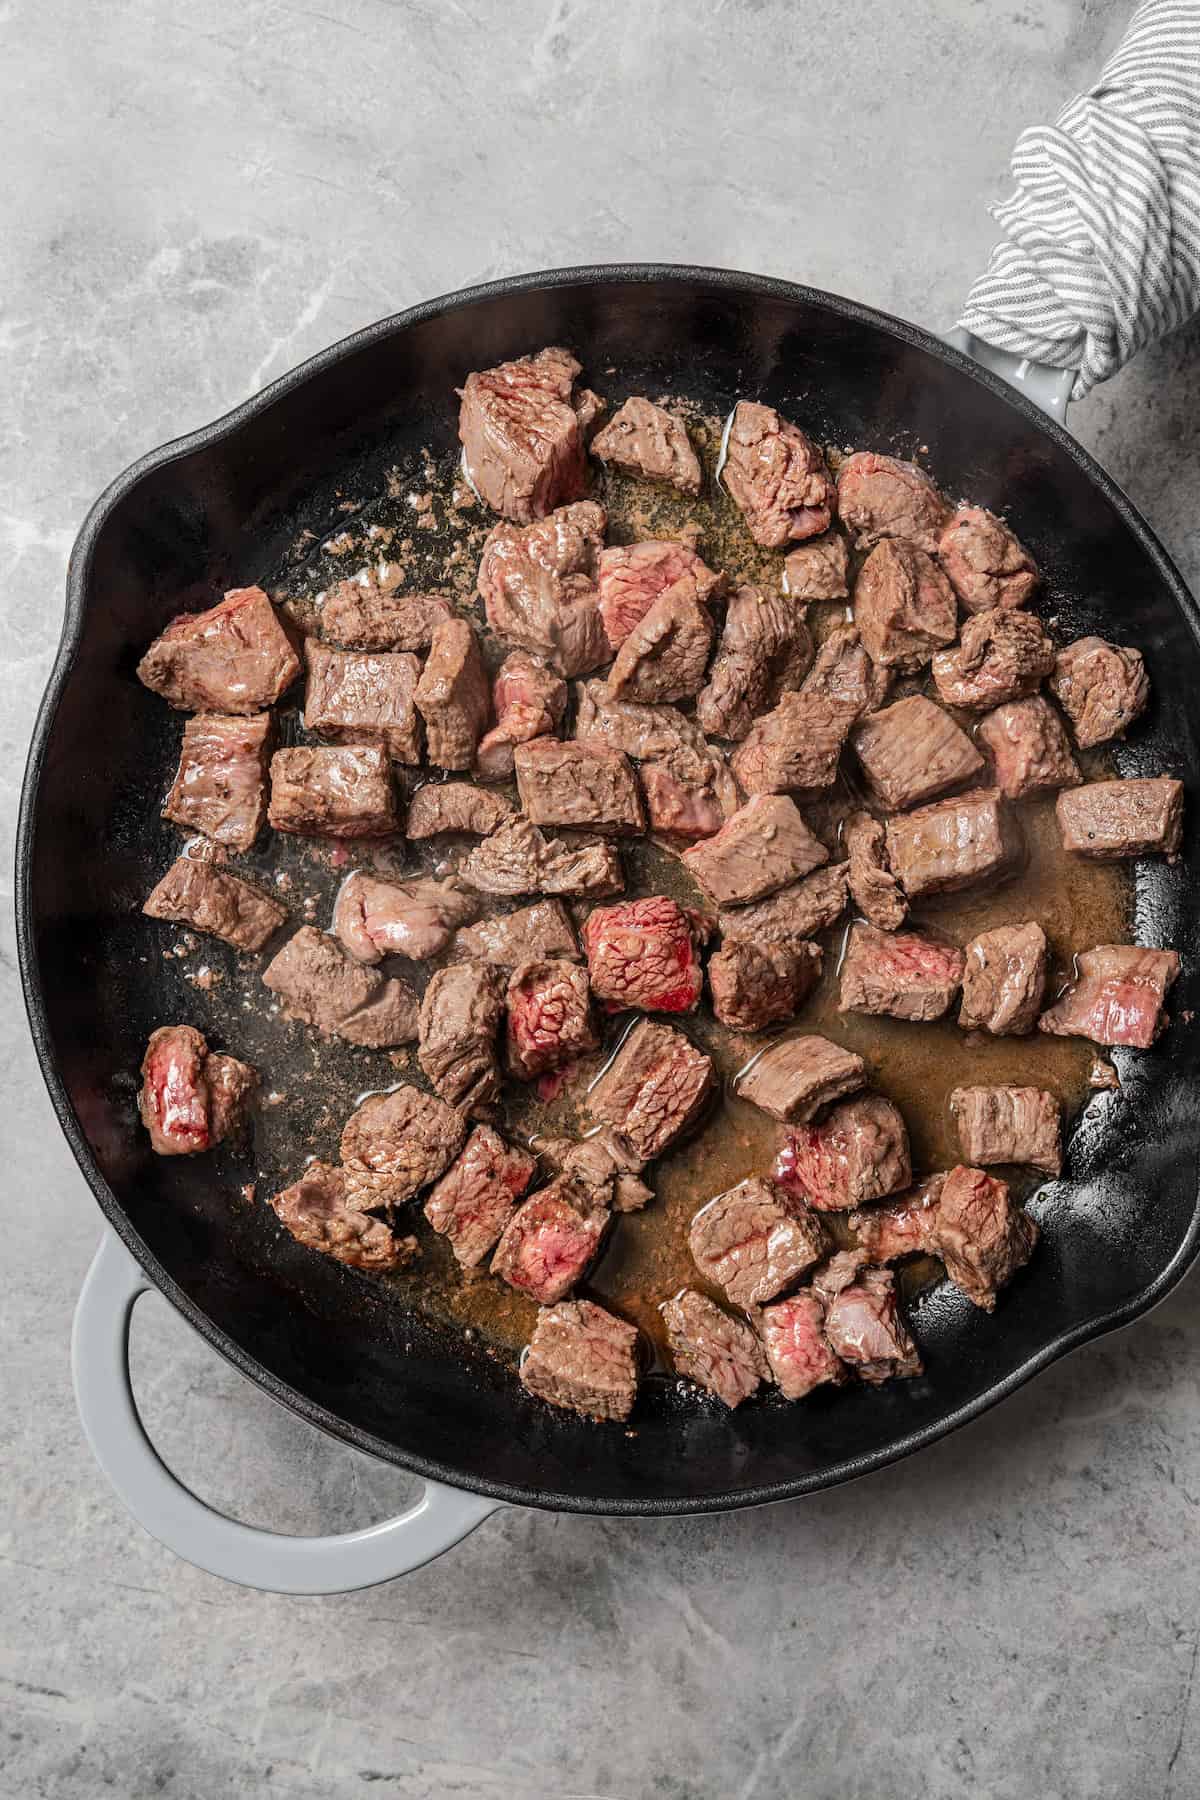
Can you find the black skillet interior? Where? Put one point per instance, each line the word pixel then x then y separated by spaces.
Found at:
pixel 218 510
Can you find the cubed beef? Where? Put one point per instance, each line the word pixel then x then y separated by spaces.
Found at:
pixel 903 606
pixel 754 985
pixel 605 1162
pixel 333 792
pixel 523 447
pixel 953 844
pixel 367 612
pixel 901 974
pixel 912 751
pixel 550 1241
pixel 654 1088
pixel 845 671
pixel 581 785
pixel 864 1327
pixel 478 1194
pixel 453 696
pixel 858 1153
pixel 766 650
pixel 982 1238
pixel 876 892
pixel 776 475
pixel 798 1352
pixel 665 655
pixel 908 1227
pixel 510 939
pixel 631 578
pixel 644 439
pixel 364 697
pixel 529 701
pixel 318 984
pixel 882 497
pixel 191 1098
pixel 1101 687
pixel 689 793
pixel 765 846
pixel 212 900
pixel 1004 979
pixel 794 913
pixel 839 1271
pixel 1117 996
pixel 320 1212
pixel 1001 656
pixel 793 1078
pixel 395 1144
pixel 1029 747
pixel 539 590
pixel 458 806
pixel 415 918
pixel 986 564
pixel 645 953
pixel 235 658
pixel 549 1020
pixel 1009 1125
pixel 720 1353
pixel 1107 819
pixel 798 744
pixel 220 788
pixel 648 733
pixel 460 1016
pixel 818 570
pixel 517 859
pixel 582 1358
pixel 754 1241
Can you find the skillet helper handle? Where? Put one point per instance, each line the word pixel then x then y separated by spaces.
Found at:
pixel 277 1564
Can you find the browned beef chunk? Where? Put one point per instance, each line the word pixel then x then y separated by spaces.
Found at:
pixel 800 1355
pixel 582 785
pixel 953 844
pixel 582 1358
pixel 645 953
pixel 818 570
pixel 766 649
pixel 986 565
pixel 864 1327
pixel 876 892
pixel 460 1016
pixel 982 1238
pixel 320 1212
pixel 689 793
pixel 793 1078
pixel 720 1353
pixel 881 497
pixel 837 1272
pixel 1004 980
pixel 333 792
pixel 453 696
pixel 550 1241
pixel 648 733
pixel 665 655
pixel 1009 1125
pixel 754 1241
pixel 538 586
pixel 367 612
pixel 529 701
pixel 235 658
pixel 765 846
pixel 510 939
pixel 1107 819
pixel 605 1162
pixel 903 606
pixel 214 901
pixel 654 1088
pixel 631 578
pixel 416 918
pixel 798 744
pixel 549 1019
pixel 644 439
pixel 858 1153
pixel 908 1227
pixel 522 440
pixel 220 788
pixel 777 476
pixel 439 806
pixel 1101 687
pixel 321 986
pixel 1117 997
pixel 364 698
pixel 845 671
pixel 517 859
pixel 756 985
pixel 191 1098
pixel 794 913
pixel 899 973
pixel 1002 656
pixel 393 1145
pixel 912 751
pixel 478 1194
pixel 1029 747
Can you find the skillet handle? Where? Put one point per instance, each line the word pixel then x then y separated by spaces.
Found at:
pixel 1046 387
pixel 438 1520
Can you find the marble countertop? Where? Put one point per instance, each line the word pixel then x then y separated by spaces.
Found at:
pixel 197 196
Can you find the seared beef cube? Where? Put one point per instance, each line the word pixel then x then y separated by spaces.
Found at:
pixel 845 671
pixel 795 746
pixel 1107 819
pixel 793 1078
pixel 320 985
pixel 631 577
pixel 214 901
pixel 1030 750
pixel 460 1016
pixel 453 696
pixel 549 1017
pixel 517 859
pixel 653 1089
pixel 840 1271
pixel 645 953
pixel 190 1097
pixel 393 1145
pixel 908 1227
pixel 689 794
pixel 1101 687
pixel 583 1358
pixel 1001 656
pixel 220 787
pixel 881 497
pixel 416 919
pixel 982 1238
pixel 365 698
pixel 721 1354
pixel 529 701
pixel 538 586
pixel 521 434
pixel 794 913
pixel 754 1241
pixel 864 1327
pixel 900 974
pixel 367 612
pixel 858 1153
pixel 235 658
pixel 1009 1125
pixel 439 806
pixel 912 751
pixel 953 844
pixel 665 655
pixel 550 1241
pixel 320 1213
pixel 1004 980
pixel 325 792
pixel 798 1352
pixel 766 649
pixel 903 606
pixel 754 985
pixel 644 439
pixel 877 893
pixel 606 1164
pixel 776 475
pixel 510 939
pixel 986 564
pixel 1117 997
pixel 582 785
pixel 648 733
pixel 478 1194
pixel 818 570
pixel 764 846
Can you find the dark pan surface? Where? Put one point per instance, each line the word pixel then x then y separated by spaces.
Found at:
pixel 222 507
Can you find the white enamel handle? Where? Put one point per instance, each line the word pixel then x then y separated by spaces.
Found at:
pixel 1046 387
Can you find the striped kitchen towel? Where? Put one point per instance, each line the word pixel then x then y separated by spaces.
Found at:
pixel 1101 252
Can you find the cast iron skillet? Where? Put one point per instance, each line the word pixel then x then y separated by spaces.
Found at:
pixel 216 509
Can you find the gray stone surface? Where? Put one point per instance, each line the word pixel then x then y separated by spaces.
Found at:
pixel 195 197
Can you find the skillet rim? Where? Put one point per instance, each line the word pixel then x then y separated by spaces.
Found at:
pixel 78 573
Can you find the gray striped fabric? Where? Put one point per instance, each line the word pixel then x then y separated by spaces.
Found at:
pixel 1101 252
